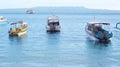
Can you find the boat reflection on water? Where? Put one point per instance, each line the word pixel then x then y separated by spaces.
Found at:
pixel 53 37
pixel 52 46
pixel 97 43
pixel 16 40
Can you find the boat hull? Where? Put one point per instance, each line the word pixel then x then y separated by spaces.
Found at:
pixel 92 37
pixel 53 29
pixel 18 34
pixel 2 22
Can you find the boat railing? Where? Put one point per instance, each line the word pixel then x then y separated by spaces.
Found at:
pixel 117 24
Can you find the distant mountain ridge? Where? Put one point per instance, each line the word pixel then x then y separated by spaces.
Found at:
pixel 60 10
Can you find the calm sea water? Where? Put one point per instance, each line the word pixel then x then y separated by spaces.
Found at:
pixel 69 48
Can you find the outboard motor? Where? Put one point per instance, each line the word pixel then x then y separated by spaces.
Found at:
pixel 101 35
pixel 106 33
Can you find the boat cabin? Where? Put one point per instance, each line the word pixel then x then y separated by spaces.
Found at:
pixel 96 26
pixel 54 20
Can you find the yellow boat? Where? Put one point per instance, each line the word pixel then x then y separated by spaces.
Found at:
pixel 18 28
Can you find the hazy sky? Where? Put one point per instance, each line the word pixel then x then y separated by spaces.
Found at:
pixel 97 4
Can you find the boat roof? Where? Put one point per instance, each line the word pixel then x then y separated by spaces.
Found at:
pixel 18 22
pixel 104 23
pixel 30 10
pixel 53 19
pixel 13 23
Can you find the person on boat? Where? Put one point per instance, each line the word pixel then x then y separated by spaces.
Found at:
pixel 106 35
pixel 10 30
pixel 98 31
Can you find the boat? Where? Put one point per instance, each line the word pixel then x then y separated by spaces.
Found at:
pixel 117 26
pixel 30 11
pixel 18 28
pixel 53 24
pixel 97 31
pixel 3 20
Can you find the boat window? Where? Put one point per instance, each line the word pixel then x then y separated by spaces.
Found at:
pixel 90 27
pixel 53 23
pixel 106 27
pixel 53 20
pixel 57 23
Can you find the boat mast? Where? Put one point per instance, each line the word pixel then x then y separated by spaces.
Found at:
pixel 94 18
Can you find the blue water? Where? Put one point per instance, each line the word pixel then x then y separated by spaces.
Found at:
pixel 69 48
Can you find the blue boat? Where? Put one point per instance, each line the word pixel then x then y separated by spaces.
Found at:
pixel 96 31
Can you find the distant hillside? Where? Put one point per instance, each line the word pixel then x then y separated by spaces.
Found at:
pixel 60 10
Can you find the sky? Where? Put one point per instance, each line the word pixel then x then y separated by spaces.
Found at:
pixel 94 4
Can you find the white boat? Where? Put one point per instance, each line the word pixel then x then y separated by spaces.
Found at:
pixel 53 24
pixel 30 11
pixel 3 20
pixel 98 32
pixel 18 28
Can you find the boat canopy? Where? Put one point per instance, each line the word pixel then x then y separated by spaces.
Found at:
pixel 13 23
pixel 19 22
pixel 53 19
pixel 22 22
pixel 30 10
pixel 103 23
